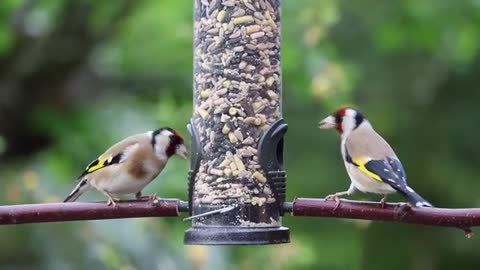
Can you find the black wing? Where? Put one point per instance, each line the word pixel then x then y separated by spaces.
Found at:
pixel 390 171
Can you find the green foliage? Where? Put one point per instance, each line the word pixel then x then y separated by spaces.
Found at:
pixel 411 66
pixel 5 41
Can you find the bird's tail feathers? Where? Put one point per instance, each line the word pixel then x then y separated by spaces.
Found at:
pixel 416 200
pixel 81 187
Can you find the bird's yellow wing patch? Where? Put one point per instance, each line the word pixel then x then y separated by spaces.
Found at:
pixel 102 162
pixel 97 164
pixel 360 162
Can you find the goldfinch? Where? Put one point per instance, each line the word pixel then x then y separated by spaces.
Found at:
pixel 131 164
pixel 371 163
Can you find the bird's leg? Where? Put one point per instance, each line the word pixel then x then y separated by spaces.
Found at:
pixel 111 199
pixel 383 201
pixel 153 196
pixel 336 196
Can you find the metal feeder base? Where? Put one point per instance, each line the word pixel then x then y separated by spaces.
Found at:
pixel 236 236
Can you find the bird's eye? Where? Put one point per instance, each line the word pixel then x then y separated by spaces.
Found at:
pixel 176 140
pixel 338 119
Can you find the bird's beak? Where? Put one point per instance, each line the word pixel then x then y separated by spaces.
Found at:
pixel 327 123
pixel 182 151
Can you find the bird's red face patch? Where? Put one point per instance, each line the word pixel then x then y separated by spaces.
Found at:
pixel 339 114
pixel 175 140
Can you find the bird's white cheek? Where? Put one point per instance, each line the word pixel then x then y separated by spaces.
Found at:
pixel 160 153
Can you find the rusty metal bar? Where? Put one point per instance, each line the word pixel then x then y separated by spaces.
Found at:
pixel 461 218
pixel 56 212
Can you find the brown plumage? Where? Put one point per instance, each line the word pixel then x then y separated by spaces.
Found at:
pixel 367 142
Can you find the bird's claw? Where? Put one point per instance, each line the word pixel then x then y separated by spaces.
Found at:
pixel 383 202
pixel 335 198
pixel 111 202
pixel 330 197
pixel 152 197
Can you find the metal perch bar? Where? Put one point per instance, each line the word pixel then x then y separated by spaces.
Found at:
pixel 400 212
pixel 56 212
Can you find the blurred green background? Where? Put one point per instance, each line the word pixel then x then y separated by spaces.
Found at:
pixel 78 75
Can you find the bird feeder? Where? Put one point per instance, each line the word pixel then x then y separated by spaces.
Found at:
pixel 237 179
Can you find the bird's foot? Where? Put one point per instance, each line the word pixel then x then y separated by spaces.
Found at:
pixel 336 198
pixel 383 201
pixel 152 197
pixel 330 197
pixel 111 201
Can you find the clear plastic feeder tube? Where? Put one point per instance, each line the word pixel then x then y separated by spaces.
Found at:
pixel 237 126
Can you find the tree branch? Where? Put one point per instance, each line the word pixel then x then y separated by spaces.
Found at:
pixel 399 212
pixel 54 212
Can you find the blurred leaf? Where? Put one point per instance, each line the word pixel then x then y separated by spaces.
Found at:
pixel 6 40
